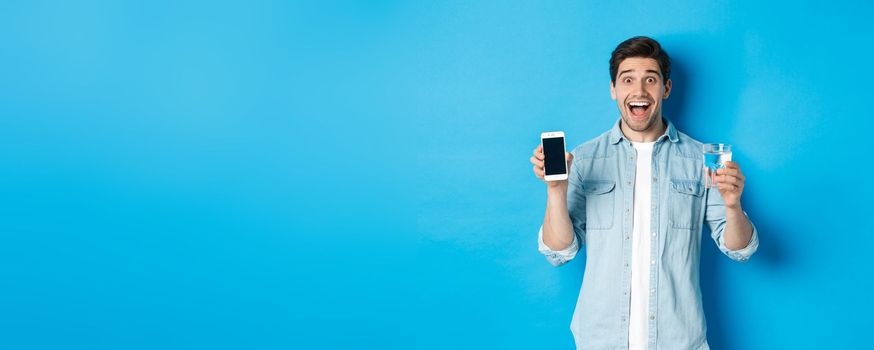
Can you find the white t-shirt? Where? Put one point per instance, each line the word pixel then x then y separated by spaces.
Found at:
pixel 638 328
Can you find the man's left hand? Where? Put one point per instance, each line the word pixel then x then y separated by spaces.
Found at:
pixel 730 183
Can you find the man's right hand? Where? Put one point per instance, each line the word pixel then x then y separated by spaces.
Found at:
pixel 537 161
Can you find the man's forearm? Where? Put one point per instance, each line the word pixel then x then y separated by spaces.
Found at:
pixel 558 232
pixel 738 230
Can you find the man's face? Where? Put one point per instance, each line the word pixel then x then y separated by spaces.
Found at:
pixel 639 91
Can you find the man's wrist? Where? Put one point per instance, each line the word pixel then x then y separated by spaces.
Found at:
pixel 560 191
pixel 734 211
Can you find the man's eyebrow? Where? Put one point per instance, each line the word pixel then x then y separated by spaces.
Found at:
pixel 648 71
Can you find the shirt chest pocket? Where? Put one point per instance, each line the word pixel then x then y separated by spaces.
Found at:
pixel 599 203
pixel 685 200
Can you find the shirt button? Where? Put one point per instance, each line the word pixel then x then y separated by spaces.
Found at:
pixel 652 290
pixel 652 262
pixel 651 317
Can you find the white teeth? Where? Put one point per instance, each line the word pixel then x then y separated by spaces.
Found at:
pixel 638 104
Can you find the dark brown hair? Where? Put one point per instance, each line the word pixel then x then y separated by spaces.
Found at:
pixel 640 46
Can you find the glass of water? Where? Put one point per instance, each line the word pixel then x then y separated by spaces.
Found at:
pixel 715 156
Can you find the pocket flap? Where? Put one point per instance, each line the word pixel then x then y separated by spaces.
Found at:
pixel 687 186
pixel 597 186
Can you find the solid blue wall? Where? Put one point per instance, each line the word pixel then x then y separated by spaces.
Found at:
pixel 355 174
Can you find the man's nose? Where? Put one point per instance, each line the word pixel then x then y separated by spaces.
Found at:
pixel 640 88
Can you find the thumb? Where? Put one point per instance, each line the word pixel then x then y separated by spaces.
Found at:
pixel 569 156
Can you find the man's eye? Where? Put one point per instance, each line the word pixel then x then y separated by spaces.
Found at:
pixel 650 80
pixel 627 80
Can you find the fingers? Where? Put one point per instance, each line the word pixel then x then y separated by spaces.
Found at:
pixel 728 171
pixel 730 168
pixel 727 187
pixel 730 179
pixel 538 152
pixel 537 162
pixel 727 179
pixel 729 184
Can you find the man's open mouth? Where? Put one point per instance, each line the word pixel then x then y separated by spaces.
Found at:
pixel 639 108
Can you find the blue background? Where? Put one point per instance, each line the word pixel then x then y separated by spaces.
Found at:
pixel 213 174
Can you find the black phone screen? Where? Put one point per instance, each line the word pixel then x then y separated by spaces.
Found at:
pixel 553 152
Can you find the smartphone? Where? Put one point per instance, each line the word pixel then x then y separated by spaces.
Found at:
pixel 555 163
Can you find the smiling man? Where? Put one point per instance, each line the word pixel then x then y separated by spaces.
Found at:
pixel 635 199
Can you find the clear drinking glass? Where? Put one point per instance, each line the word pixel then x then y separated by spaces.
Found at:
pixel 715 156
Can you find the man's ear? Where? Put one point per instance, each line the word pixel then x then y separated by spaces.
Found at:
pixel 612 90
pixel 667 88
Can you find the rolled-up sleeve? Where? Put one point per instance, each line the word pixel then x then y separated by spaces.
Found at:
pixel 714 215
pixel 557 257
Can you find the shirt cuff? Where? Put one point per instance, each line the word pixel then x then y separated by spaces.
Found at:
pixel 557 257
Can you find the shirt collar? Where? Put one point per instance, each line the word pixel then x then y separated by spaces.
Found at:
pixel 616 132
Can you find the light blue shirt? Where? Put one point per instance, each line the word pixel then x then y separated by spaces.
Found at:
pixel 600 195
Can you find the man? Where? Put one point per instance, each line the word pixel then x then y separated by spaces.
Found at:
pixel 635 198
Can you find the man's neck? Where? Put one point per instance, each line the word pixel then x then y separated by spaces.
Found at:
pixel 649 135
